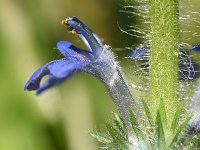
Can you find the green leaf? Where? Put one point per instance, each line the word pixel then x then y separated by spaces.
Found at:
pixel 120 142
pixel 160 132
pixel 100 138
pixel 177 116
pixel 195 142
pixel 135 125
pixel 119 123
pixel 148 113
pixel 182 127
pixel 162 113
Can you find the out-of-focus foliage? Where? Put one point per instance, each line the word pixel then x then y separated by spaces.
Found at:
pixel 149 134
pixel 61 118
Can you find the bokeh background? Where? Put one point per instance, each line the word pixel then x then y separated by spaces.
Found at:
pixel 63 117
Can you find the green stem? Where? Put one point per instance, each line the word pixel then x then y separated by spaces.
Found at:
pixel 164 54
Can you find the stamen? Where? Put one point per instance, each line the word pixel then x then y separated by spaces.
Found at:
pixel 70 28
pixel 75 26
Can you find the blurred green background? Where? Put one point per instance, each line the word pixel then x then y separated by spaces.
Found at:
pixel 61 118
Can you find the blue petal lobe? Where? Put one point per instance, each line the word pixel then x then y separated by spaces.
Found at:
pixel 78 21
pixel 87 36
pixel 140 54
pixel 61 68
pixel 51 82
pixel 34 81
pixel 67 49
pixel 196 47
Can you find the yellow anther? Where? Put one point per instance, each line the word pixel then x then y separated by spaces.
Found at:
pixel 65 23
pixel 74 31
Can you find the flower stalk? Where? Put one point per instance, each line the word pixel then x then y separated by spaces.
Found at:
pixel 164 54
pixel 98 61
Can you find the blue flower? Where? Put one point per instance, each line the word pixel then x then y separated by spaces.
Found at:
pixel 59 70
pixel 140 53
pixel 189 69
pixel 196 47
pixel 98 61
pixel 194 126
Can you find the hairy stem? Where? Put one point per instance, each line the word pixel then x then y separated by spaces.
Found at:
pixel 164 54
pixel 123 99
pixel 107 70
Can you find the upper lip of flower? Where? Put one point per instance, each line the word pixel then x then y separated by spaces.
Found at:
pixel 75 58
pixel 91 40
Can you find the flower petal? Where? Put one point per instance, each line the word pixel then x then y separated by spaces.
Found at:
pixel 68 49
pixel 196 47
pixel 64 48
pixel 51 82
pixel 34 81
pixel 61 68
pixel 141 53
pixel 194 126
pixel 91 40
